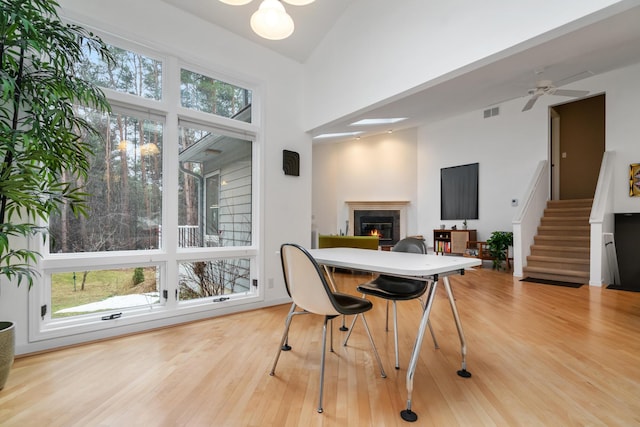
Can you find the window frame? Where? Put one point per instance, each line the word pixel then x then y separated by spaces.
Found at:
pixel 168 256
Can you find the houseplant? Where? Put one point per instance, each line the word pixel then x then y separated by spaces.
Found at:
pixel 498 246
pixel 41 153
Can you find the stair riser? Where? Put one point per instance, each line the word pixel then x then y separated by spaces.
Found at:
pixel 563 213
pixel 576 232
pixel 570 279
pixel 562 265
pixel 564 222
pixel 559 253
pixel 561 242
pixel 583 203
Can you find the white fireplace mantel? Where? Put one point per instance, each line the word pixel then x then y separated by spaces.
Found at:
pixel 379 205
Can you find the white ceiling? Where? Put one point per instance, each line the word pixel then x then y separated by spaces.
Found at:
pixel 311 22
pixel 608 44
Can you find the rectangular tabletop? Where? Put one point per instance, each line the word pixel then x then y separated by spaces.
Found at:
pixel 394 263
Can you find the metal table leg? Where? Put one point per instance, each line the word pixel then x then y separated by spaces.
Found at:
pixel 408 414
pixel 463 344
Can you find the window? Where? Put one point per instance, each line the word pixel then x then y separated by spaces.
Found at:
pixel 215 188
pixel 96 291
pixel 131 73
pixel 144 249
pixel 221 277
pixel 124 186
pixel 209 95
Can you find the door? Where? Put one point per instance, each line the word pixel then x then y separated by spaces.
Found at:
pixel 577 146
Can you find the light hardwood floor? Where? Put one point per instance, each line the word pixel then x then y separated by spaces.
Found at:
pixel 540 355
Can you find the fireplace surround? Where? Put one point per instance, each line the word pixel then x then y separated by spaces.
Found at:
pixel 387 219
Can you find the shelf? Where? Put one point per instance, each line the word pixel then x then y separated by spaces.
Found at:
pixel 452 241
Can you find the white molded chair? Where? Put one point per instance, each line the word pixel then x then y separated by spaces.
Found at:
pixel 309 290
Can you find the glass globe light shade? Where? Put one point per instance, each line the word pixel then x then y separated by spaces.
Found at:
pixel 271 21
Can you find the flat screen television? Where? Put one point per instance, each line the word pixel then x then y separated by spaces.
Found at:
pixel 459 192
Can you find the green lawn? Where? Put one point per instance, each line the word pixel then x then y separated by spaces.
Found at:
pixel 66 288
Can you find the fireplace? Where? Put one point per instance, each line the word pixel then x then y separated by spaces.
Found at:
pixel 383 223
pixel 387 218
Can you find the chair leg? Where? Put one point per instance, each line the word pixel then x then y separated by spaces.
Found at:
pixel 395 332
pixel 286 346
pixel 373 345
pixel 433 335
pixel 353 322
pixel 386 324
pixel 331 335
pixel 285 337
pixel 324 349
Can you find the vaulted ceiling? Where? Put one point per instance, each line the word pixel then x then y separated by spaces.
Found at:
pixel 610 43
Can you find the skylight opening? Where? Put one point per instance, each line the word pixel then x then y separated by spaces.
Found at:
pixel 382 121
pixel 336 135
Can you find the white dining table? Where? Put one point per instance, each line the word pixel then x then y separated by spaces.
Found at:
pixel 429 267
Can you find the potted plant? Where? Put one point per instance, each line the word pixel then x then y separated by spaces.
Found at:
pixel 498 246
pixel 41 153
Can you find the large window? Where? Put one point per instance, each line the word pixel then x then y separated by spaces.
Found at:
pixel 124 189
pixel 215 189
pixel 143 250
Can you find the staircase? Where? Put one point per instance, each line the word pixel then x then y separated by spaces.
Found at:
pixel 560 250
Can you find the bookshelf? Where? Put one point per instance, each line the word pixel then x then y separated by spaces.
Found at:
pixel 452 241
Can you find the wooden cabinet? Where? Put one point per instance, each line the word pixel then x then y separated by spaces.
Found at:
pixel 452 241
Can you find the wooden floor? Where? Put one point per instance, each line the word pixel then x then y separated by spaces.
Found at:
pixel 540 355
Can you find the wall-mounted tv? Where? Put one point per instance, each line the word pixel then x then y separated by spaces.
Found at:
pixel 459 192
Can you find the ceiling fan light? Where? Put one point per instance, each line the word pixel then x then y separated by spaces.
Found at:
pixel 299 2
pixel 271 21
pixel 236 2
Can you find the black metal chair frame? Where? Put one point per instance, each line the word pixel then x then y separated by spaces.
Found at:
pixel 394 289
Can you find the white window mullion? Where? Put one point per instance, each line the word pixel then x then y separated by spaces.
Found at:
pixel 171 94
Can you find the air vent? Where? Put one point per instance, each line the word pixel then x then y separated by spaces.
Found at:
pixel 490 112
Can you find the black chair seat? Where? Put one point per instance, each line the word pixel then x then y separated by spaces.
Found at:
pixel 349 304
pixel 394 288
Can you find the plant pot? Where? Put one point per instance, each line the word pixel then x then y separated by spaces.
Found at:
pixel 7 350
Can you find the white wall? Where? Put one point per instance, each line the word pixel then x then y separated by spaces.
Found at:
pixel 378 168
pixel 508 148
pixel 285 201
pixel 381 48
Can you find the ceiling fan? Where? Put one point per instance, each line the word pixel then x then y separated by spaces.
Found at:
pixel 546 87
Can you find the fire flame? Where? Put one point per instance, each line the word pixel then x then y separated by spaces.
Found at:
pixel 375 232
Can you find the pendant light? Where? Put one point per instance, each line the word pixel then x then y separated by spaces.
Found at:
pixel 271 21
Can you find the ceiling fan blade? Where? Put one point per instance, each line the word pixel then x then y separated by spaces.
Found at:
pixel 573 93
pixel 531 101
